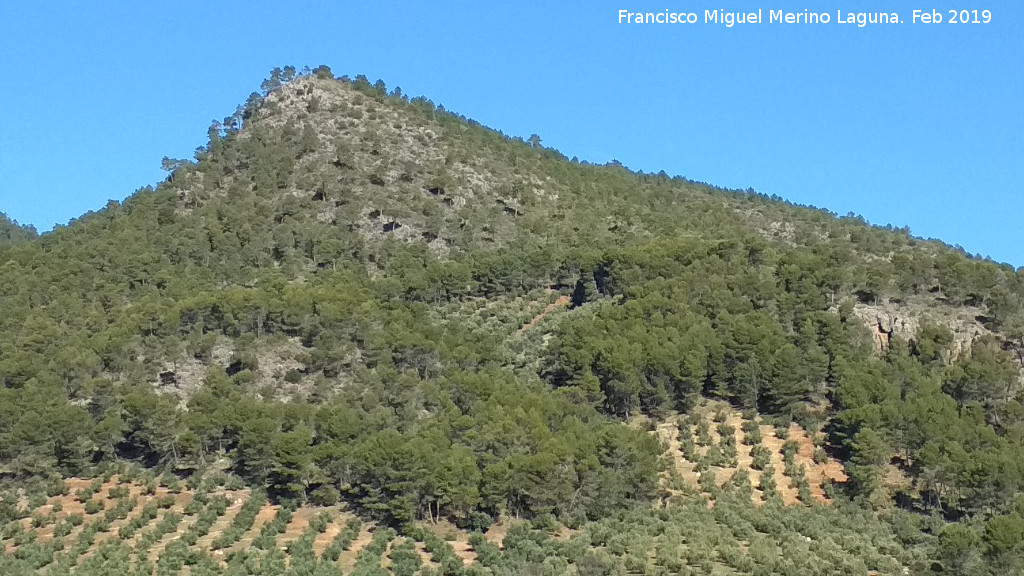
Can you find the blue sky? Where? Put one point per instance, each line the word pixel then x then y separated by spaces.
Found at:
pixel 917 125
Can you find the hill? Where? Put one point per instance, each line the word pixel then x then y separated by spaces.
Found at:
pixel 12 233
pixel 350 297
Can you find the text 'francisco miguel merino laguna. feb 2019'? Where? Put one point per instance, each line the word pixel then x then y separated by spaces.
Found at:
pixel 761 16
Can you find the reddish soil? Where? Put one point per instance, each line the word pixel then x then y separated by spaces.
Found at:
pixel 497 532
pixel 425 556
pixel 135 491
pixel 347 560
pixel 205 542
pixel 460 544
pixel 559 302
pixel 743 457
pixel 158 547
pixel 295 528
pixel 266 514
pixel 816 473
pixel 324 539
pixel 773 443
pixel 463 550
pixel 669 434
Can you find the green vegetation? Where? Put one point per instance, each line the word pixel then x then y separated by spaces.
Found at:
pixel 241 522
pixel 12 233
pixel 343 540
pixel 331 298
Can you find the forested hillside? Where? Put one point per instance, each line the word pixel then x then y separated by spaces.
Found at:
pixel 350 297
pixel 12 233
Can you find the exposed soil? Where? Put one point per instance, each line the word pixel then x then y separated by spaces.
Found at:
pixel 425 556
pixel 816 473
pixel 347 560
pixel 669 434
pixel 205 542
pixel 266 514
pixel 743 458
pixel 463 550
pixel 559 302
pixel 324 539
pixel 158 547
pixel 295 528
pixel 773 443
pixel 497 532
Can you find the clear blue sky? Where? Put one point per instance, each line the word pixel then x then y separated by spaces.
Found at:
pixel 917 125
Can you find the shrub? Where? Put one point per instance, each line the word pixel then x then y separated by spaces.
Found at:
pixel 11 530
pixel 767 482
pixel 405 561
pixel 214 509
pixel 149 512
pixel 270 530
pixel 721 414
pixel 40 520
pixel 704 433
pixel 807 420
pixel 36 499
pixel 57 487
pixel 798 473
pixel 752 436
pixel 345 538
pixel 241 522
pixel 829 489
pixel 320 523
pixel 714 457
pixel 687 447
pixel 167 524
pixel 683 425
pixel 213 480
pixel 707 483
pixel 729 455
pixel 62 529
pixel 129 475
pixel 726 431
pixel 727 435
pixel 761 457
pixel 325 495
pixel 93 506
pixel 804 491
pixel 741 480
pixel 789 451
pixel 117 492
pixel 171 482
pixel 695 418
pixel 194 506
